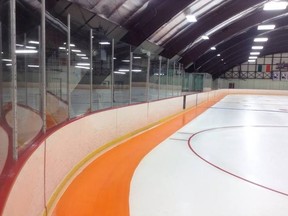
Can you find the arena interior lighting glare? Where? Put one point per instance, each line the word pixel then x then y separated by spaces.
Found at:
pixel 77 51
pixel 205 37
pixel 33 66
pixel 252 57
pixel 104 43
pixel 261 39
pixel 266 27
pixel 191 18
pixel 82 67
pixel 33 42
pixel 119 72
pixel 26 51
pixel 254 53
pixel 275 5
pixel 257 47
pixel 83 64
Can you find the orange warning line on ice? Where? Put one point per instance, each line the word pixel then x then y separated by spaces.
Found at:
pixel 103 187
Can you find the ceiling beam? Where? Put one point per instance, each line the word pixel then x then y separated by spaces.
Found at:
pixel 246 37
pixel 209 21
pixel 152 18
pixel 234 29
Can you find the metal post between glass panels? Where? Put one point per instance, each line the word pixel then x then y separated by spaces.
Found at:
pixel 43 63
pixel 130 77
pixel 179 79
pixel 147 78
pixel 167 78
pixel 112 75
pixel 68 65
pixel 91 70
pixel 1 73
pixel 159 76
pixel 25 72
pixel 174 70
pixel 14 77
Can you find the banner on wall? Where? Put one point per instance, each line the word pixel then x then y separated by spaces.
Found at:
pixel 276 75
pixel 264 68
pixel 284 76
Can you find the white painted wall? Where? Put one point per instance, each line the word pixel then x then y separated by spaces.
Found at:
pixel 252 84
pixel 67 146
pixel 3 148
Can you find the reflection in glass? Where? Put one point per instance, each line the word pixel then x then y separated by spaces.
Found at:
pixel 163 78
pixel 56 72
pixel 102 71
pixel 170 78
pixel 5 84
pixel 139 76
pixel 121 94
pixel 154 77
pixel 80 74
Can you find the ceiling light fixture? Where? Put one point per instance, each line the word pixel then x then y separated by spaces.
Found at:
pixel 254 53
pixel 7 60
pixel 124 70
pixel 73 50
pixel 218 55
pixel 266 27
pixel 33 42
pixel 205 37
pixel 213 48
pixel 119 72
pixel 252 57
pixel 191 18
pixel 30 47
pixel 82 67
pixel 257 47
pixel 71 45
pixel 26 51
pixel 275 5
pixel 251 60
pixel 33 66
pixel 83 64
pixel 104 43
pixel 260 39
pixel 137 70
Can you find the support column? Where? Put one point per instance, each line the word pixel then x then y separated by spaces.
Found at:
pixel 14 78
pixel 148 77
pixel 1 73
pixel 112 75
pixel 43 64
pixel 130 77
pixel 159 76
pixel 68 65
pixel 91 70
pixel 167 77
pixel 25 72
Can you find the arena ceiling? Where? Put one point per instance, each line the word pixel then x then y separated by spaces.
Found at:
pixel 230 25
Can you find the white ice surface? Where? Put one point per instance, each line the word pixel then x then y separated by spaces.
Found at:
pixel 172 181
